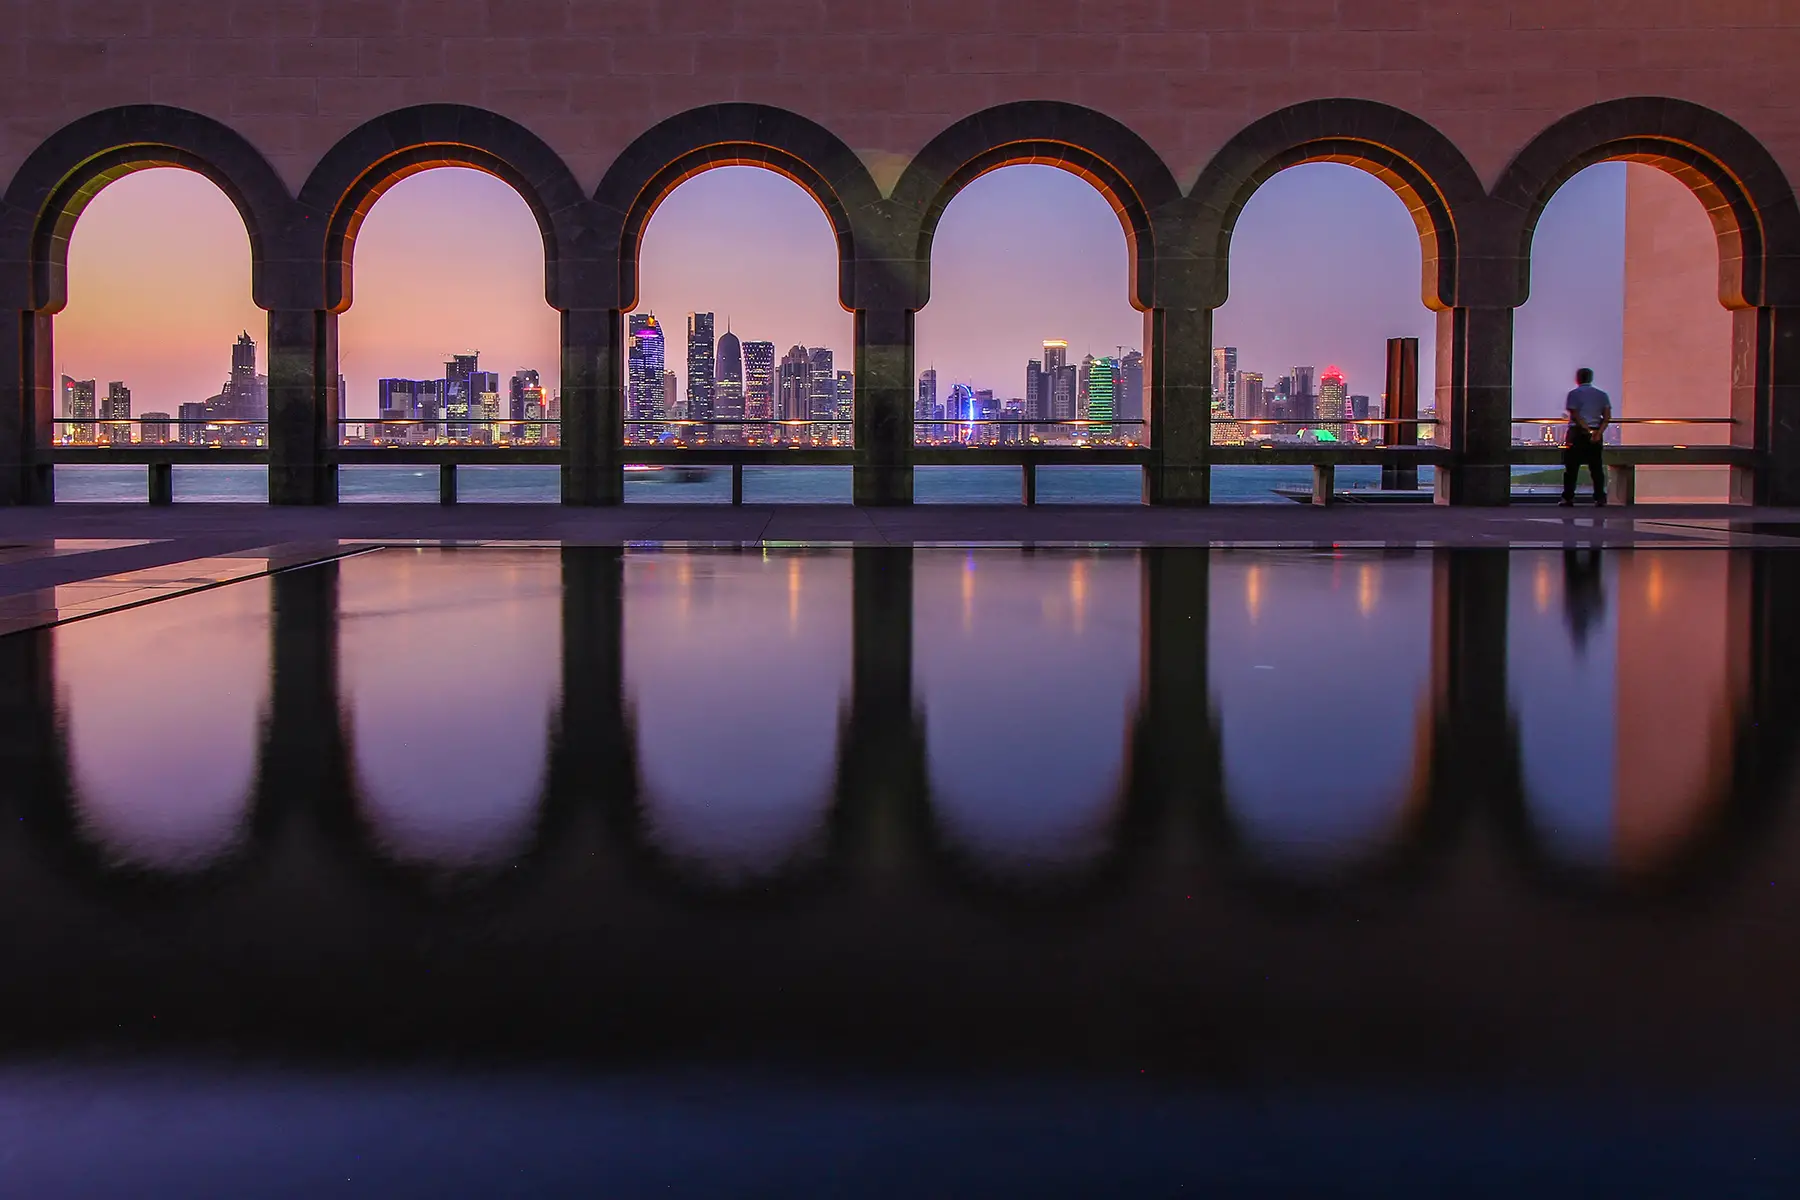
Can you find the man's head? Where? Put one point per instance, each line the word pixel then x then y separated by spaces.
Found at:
pixel 1584 376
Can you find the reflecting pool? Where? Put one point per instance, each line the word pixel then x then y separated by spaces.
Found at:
pixel 1387 827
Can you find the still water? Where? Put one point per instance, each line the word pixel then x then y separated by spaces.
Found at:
pixel 1473 847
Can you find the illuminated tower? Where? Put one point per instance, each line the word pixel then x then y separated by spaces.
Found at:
pixel 759 386
pixel 1102 375
pixel 701 392
pixel 1332 399
pixel 645 398
pixel 115 410
pixel 78 403
pixel 459 395
pixel 794 390
pixel 846 404
pixel 1128 394
pixel 728 385
pixel 1224 381
pixel 822 404
pixel 927 407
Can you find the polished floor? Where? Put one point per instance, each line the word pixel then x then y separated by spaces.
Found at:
pixel 889 870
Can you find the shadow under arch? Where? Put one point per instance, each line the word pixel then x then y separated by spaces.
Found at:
pixel 376 155
pixel 1116 161
pixel 1746 196
pixel 1423 167
pixel 734 135
pixel 55 184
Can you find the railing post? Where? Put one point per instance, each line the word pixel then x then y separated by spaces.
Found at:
pixel 446 483
pixel 1029 484
pixel 27 404
pixel 303 406
pixel 1324 483
pixel 162 483
pixel 883 475
pixel 1765 388
pixel 737 483
pixel 1178 398
pixel 593 409
pixel 1474 405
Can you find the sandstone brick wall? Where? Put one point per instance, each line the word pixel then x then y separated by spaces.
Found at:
pixel 885 75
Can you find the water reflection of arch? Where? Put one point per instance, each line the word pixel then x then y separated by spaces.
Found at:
pixel 1710 817
pixel 1387 829
pixel 729 836
pixel 991 855
pixel 119 830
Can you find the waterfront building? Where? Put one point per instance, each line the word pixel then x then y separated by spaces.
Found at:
pixel 759 387
pixel 115 414
pixel 78 406
pixel 701 397
pixel 646 398
pixel 154 429
pixel 728 384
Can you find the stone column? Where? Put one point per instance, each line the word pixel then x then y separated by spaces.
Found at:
pixel 27 404
pixel 1474 405
pixel 1765 393
pixel 1178 397
pixel 593 406
pixel 303 406
pixel 884 407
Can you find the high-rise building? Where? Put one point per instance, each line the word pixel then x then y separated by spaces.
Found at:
pixel 154 429
pixel 1101 374
pixel 484 404
pixel 759 387
pixel 794 390
pixel 115 414
pixel 846 404
pixel 78 407
pixel 1036 405
pixel 1303 395
pixel 523 382
pixel 927 407
pixel 460 404
pixel 1224 380
pixel 1056 355
pixel 701 397
pixel 193 418
pixel 823 402
pixel 1333 399
pixel 1253 404
pixel 1128 399
pixel 728 366
pixel 534 411
pixel 1064 393
pixel 672 401
pixel 646 400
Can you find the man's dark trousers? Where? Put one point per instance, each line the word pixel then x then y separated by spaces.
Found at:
pixel 1581 449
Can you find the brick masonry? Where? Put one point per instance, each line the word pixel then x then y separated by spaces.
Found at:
pixel 885 76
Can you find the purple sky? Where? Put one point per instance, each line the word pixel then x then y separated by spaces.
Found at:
pixel 1325 269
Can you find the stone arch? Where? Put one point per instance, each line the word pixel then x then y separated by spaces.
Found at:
pixel 1422 166
pixel 48 194
pixel 372 158
pixel 734 135
pixel 1117 162
pixel 1746 196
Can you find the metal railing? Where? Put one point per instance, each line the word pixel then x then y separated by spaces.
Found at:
pixel 718 432
pixel 158 432
pixel 1084 432
pixel 399 433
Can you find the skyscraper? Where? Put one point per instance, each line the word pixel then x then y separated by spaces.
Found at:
pixel 115 411
pixel 524 381
pixel 823 403
pixel 645 397
pixel 1303 395
pixel 1064 393
pixel 846 404
pixel 1333 404
pixel 794 390
pixel 1036 405
pixel 701 397
pixel 484 404
pixel 78 406
pixel 759 387
pixel 153 429
pixel 1129 397
pixel 1253 405
pixel 1101 376
pixel 729 384
pixel 460 404
pixel 927 408
pixel 1056 356
pixel 1224 380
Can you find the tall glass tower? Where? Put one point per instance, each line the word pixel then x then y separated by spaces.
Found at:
pixel 645 399
pixel 701 392
pixel 728 385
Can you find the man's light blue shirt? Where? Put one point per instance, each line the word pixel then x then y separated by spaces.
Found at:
pixel 1589 404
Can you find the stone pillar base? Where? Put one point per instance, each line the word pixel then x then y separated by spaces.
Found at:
pixel 1178 486
pixel 881 486
pixel 1475 485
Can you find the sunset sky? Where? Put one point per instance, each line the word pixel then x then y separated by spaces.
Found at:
pixel 1325 268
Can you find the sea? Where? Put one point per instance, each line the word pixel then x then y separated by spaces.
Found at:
pixel 204 484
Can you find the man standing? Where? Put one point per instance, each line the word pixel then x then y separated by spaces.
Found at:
pixel 1589 411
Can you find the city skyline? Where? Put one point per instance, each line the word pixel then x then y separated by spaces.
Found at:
pixel 415 305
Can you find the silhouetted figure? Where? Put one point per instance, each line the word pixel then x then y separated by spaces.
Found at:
pixel 1590 409
pixel 1584 597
